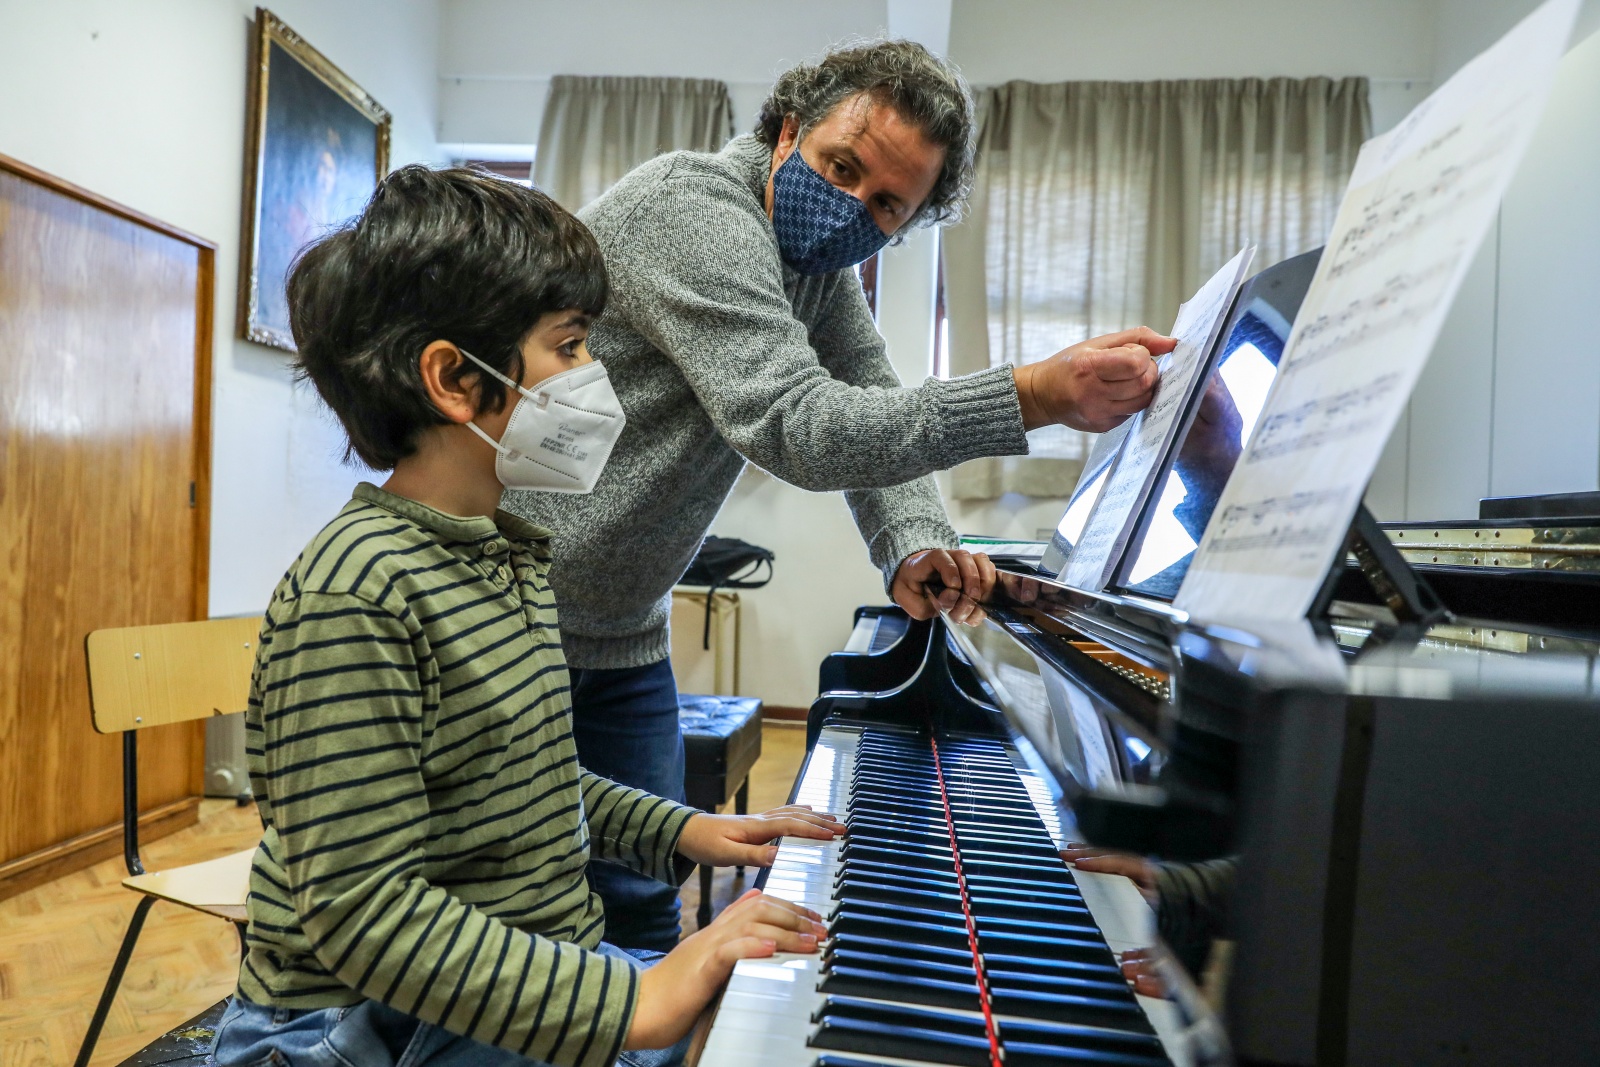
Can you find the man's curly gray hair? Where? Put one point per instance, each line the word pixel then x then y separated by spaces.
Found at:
pixel 926 91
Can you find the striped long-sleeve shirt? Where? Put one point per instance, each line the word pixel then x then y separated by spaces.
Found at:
pixel 426 822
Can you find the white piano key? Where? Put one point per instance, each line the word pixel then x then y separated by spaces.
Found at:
pixel 861 637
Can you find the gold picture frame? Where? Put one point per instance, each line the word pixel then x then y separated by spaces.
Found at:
pixel 316 145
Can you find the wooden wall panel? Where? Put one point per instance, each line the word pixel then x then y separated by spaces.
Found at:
pixel 104 392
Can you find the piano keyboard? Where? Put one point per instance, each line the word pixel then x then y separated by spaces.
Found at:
pixel 915 899
pixel 875 633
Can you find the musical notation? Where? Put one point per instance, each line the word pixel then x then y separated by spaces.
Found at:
pixel 1419 203
pixel 1373 316
pixel 1403 216
pixel 1323 420
pixel 1276 522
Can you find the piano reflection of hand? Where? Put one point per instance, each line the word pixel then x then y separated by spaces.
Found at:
pixel 949 582
pixel 1108 861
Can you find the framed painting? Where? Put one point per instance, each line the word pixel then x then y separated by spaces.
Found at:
pixel 317 144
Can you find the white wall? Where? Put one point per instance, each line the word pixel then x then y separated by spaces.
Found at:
pixel 496 57
pixel 143 101
pixel 1509 403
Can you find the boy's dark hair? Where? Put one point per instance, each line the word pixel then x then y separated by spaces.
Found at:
pixel 455 254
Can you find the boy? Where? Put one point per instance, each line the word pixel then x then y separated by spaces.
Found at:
pixel 419 895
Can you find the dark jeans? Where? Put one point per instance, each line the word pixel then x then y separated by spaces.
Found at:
pixel 626 724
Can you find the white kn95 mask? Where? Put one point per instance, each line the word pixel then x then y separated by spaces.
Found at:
pixel 560 433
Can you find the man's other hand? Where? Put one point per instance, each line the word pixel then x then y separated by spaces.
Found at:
pixel 967 579
pixel 1094 385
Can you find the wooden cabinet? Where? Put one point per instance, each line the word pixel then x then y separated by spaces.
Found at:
pixel 105 356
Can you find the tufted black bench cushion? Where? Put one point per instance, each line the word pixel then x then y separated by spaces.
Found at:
pixel 721 742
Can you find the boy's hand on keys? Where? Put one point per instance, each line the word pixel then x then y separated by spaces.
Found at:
pixel 674 992
pixel 743 840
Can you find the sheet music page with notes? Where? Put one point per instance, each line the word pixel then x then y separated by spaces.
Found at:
pixel 1420 201
pixel 1150 434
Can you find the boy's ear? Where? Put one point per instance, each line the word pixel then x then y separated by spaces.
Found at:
pixel 453 393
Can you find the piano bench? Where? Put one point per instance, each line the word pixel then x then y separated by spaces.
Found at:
pixel 721 742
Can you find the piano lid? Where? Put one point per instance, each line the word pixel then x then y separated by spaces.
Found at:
pixel 1098 684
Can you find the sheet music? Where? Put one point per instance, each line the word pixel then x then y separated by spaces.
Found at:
pixel 1150 432
pixel 1419 203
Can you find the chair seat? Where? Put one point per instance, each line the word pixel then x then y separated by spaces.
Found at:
pixel 721 742
pixel 216 887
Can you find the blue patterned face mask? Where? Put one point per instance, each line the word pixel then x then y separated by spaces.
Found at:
pixel 820 228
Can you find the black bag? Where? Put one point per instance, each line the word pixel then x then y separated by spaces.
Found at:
pixel 726 563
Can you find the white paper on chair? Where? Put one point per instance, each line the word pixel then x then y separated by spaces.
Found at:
pixel 1150 433
pixel 1419 204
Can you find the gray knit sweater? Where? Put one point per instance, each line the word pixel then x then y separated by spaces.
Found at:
pixel 722 354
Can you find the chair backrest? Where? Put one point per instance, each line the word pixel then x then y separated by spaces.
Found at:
pixel 143 676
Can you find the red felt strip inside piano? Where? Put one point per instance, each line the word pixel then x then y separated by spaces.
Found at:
pixel 995 1058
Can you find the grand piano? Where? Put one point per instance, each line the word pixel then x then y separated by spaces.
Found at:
pixel 1376 829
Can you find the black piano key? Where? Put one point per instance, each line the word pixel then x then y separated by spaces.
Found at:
pixel 895 873
pixel 831 1060
pixel 1019 848
pixel 1031 1054
pixel 1059 940
pixel 867 826
pixel 1104 969
pixel 1116 1012
pixel 925 848
pixel 850 921
pixel 1041 945
pixel 1040 981
pixel 904 857
pixel 900 963
pixel 1025 844
pixel 889 797
pixel 1049 881
pixel 1029 1042
pixel 883 985
pixel 949 899
pixel 1048 918
pixel 944 955
pixel 912 1043
pixel 857 889
pixel 1042 856
pixel 1143 1045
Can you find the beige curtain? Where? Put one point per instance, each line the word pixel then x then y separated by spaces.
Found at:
pixel 1101 205
pixel 595 130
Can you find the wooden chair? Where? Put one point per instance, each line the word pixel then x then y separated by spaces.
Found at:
pixel 141 676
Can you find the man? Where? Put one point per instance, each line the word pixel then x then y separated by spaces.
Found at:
pixel 737 331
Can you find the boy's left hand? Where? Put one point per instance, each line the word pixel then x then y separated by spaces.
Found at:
pixel 742 840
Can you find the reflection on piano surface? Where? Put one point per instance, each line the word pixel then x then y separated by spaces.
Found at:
pixel 1405 816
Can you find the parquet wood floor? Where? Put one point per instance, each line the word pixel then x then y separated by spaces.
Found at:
pixel 58 941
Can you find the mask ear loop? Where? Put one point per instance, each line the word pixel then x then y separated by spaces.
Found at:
pixel 509 453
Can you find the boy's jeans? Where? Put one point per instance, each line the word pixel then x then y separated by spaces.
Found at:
pixel 625 723
pixel 370 1034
